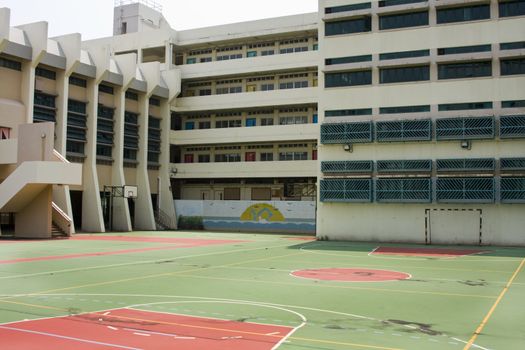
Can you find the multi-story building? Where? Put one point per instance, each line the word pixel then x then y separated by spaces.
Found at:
pixel 423 124
pixel 415 110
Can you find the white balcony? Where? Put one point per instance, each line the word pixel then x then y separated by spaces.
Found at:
pixel 248 99
pixel 274 133
pixel 273 63
pixel 301 168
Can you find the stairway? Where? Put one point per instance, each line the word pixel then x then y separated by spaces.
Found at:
pixel 57 232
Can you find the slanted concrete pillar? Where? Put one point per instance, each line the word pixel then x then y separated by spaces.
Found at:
pixel 121 217
pixel 165 194
pixel 92 218
pixel 144 217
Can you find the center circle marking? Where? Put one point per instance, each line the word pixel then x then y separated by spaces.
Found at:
pixel 351 275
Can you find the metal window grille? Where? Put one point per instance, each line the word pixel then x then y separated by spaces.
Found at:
pixel 513 190
pixel 341 133
pixel 358 166
pixel 465 128
pixel 481 164
pixel 512 163
pixel 404 130
pixel 512 126
pixel 465 190
pixel 413 190
pixel 404 166
pixel 346 190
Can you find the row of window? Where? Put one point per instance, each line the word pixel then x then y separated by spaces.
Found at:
pixel 425 53
pixel 460 70
pixel 250 157
pixel 443 107
pixel 424 190
pixel 419 18
pixel 76 129
pixel 249 122
pixel 463 165
pixel 469 128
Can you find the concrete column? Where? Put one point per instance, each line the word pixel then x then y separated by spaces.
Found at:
pixel 28 89
pixel 121 218
pixel 168 55
pixel 144 217
pixel 92 218
pixel 165 193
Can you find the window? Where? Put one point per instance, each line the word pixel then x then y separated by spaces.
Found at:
pixel 344 133
pixel 204 92
pixel 464 70
pixel 45 73
pixel 205 125
pixel 267 52
pixel 346 190
pixel 406 190
pixel 154 101
pixel 204 158
pixel 404 130
pixel 348 112
pixel 315 47
pixel 4 133
pixel 476 128
pixel 250 156
pixel 464 106
pixel 465 190
pixel 347 166
pixel 404 74
pixel 189 125
pixel 315 118
pixel 403 20
pixel 348 78
pixel 346 8
pixel 130 95
pixel 462 14
pixel 105 89
pixel 512 46
pixel 266 121
pixel 251 122
pixel 267 87
pixel 237 123
pixel 464 49
pixel 404 109
pixel 512 126
pixel 10 64
pixel 386 3
pixel 511 8
pixel 251 54
pixel 205 59
pixel 466 165
pixel 404 166
pixel 513 104
pixel 289 156
pixel 512 66
pixel 293 120
pixel 188 158
pixel 228 158
pixel 349 59
pixel 404 54
pixel 513 190
pixel 358 25
pixel 266 157
pixel 78 81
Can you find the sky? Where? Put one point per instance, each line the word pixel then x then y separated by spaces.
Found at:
pixel 94 18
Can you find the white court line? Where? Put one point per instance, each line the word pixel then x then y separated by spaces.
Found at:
pixel 473 345
pixel 69 338
pixel 139 262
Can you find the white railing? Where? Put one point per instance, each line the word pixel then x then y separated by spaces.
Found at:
pixel 61 219
pixel 150 3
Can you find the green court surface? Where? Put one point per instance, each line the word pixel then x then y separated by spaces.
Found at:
pixel 443 301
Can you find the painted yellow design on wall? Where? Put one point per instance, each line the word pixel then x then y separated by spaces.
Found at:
pixel 262 212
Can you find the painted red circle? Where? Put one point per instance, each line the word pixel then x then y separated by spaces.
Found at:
pixel 351 275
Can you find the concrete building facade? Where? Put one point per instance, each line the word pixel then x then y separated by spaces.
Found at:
pixel 402 119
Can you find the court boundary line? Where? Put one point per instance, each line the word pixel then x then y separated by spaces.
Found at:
pixel 485 320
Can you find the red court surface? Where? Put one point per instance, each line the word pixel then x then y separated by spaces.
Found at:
pixel 351 275
pixel 173 243
pixel 426 252
pixel 137 329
